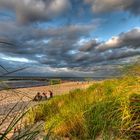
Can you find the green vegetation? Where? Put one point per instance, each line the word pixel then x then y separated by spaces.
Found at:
pixel 13 124
pixel 16 130
pixel 55 81
pixel 106 110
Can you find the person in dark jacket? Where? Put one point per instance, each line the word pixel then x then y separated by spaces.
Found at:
pixel 45 95
pixel 51 93
pixel 38 97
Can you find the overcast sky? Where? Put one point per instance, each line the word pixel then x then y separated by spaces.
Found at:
pixel 69 37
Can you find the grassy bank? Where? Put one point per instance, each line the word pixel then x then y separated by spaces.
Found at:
pixel 106 110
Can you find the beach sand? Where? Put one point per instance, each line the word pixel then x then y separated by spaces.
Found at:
pixel 24 95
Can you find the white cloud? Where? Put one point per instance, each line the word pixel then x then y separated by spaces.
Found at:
pixel 16 59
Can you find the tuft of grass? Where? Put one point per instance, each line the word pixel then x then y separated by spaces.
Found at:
pixel 104 118
pixel 102 110
pixel 107 110
pixel 13 124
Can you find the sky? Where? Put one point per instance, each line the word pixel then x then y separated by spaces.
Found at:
pixel 69 37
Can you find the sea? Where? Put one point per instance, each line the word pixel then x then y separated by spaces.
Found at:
pixel 23 82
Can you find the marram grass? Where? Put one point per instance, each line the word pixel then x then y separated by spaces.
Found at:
pixel 107 110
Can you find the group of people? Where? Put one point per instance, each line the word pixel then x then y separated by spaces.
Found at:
pixel 43 96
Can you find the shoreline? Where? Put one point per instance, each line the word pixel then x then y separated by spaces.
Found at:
pixel 25 87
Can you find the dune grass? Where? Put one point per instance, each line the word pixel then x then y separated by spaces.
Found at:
pixel 103 111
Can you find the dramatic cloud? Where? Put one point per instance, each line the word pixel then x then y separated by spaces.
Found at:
pixel 89 46
pixel 101 6
pixel 58 48
pixel 134 7
pixel 36 10
pixel 117 48
pixel 29 39
pixel 130 39
pixel 57 36
pixel 48 46
pixel 30 11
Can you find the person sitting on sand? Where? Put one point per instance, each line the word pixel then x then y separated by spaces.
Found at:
pixel 51 93
pixel 45 96
pixel 38 97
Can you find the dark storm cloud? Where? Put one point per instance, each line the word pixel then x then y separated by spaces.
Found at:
pixel 36 10
pixel 101 6
pixel 116 49
pixel 107 57
pixel 67 47
pixel 51 46
pixel 130 39
pixel 134 7
pixel 26 37
pixel 89 46
pixel 30 11
pixel 59 47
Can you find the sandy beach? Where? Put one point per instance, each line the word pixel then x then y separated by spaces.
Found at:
pixel 24 95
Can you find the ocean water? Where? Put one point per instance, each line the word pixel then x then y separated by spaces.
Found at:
pixel 21 84
pixel 8 82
